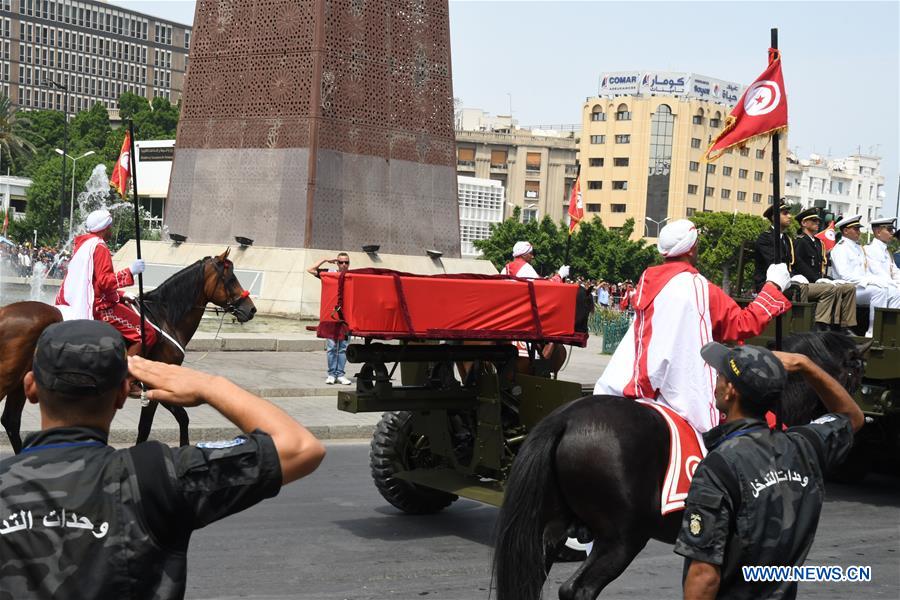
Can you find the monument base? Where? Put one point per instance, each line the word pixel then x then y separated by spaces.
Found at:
pixel 276 277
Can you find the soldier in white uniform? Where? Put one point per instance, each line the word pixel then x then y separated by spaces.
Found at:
pixel 849 263
pixel 880 262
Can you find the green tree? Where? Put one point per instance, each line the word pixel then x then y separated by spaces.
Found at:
pixel 89 130
pixel 721 236
pixel 131 104
pixel 14 142
pixel 595 252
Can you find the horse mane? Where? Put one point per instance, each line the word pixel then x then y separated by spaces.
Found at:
pixel 829 350
pixel 177 295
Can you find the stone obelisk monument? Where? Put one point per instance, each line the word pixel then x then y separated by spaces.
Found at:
pixel 318 124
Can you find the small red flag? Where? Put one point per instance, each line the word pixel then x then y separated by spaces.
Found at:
pixel 576 205
pixel 828 237
pixel 762 110
pixel 122 170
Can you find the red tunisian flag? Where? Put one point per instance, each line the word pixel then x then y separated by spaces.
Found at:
pixel 576 205
pixel 762 110
pixel 828 238
pixel 122 170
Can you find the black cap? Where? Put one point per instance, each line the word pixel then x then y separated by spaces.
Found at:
pixel 809 213
pixel 768 212
pixel 80 357
pixel 754 371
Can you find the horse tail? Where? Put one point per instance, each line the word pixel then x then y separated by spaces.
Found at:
pixel 520 567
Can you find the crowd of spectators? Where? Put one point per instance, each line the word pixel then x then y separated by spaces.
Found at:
pixel 615 296
pixel 20 260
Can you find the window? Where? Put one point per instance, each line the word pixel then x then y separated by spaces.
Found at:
pixel 742 173
pixel 620 185
pixel 690 212
pixel 620 162
pixel 692 189
pixel 592 208
pixel 725 194
pixel 597 114
pixel 742 196
pixel 532 189
pixel 757 197
pixel 760 154
pixel 595 185
pixel 617 208
pixel 745 151
pixel 596 162
pixel 710 191
pixel 711 168
pixel 695 142
pixel 757 175
pixel 623 139
pixel 529 214
pixel 716 121
pixel 694 165
pixel 622 113
pixel 697 119
pixel 598 139
pixel 726 171
pixel 771 177
pixel 465 157
pixel 533 162
pixel 498 158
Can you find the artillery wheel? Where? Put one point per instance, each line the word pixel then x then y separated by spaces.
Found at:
pixel 395 448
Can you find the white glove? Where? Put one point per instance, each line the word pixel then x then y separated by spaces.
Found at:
pixel 564 271
pixel 138 266
pixel 779 275
pixel 826 280
pixel 800 279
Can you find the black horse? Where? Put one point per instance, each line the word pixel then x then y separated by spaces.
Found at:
pixel 598 464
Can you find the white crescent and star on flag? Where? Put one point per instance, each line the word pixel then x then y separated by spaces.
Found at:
pixel 124 159
pixel 762 98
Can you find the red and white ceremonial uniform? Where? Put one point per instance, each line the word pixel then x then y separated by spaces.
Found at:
pixel 91 290
pixel 520 267
pixel 677 311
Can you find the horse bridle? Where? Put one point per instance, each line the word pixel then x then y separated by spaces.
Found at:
pixel 227 282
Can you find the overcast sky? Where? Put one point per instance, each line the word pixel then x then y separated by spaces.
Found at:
pixel 841 60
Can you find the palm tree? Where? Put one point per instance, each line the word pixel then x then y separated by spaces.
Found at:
pixel 12 127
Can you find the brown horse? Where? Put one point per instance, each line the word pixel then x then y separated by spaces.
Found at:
pixel 176 307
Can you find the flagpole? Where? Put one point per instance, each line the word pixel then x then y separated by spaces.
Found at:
pixel 137 227
pixel 776 198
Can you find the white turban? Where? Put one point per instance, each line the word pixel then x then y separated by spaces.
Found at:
pixel 98 220
pixel 521 248
pixel 677 238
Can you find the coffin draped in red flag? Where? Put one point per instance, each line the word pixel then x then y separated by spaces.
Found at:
pixel 385 304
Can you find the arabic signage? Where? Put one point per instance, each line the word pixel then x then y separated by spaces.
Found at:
pixel 156 153
pixel 669 83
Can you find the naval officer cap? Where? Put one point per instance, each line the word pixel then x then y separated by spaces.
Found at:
pixel 809 213
pixel 889 221
pixel 768 212
pixel 849 221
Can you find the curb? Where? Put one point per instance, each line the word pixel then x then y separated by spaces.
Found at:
pixel 261 344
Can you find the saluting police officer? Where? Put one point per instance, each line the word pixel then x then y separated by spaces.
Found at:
pixel 83 520
pixel 835 302
pixel 756 497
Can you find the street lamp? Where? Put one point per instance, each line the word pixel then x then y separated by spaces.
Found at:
pixel 659 224
pixel 72 198
pixel 62 187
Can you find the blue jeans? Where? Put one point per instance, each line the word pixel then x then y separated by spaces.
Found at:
pixel 337 357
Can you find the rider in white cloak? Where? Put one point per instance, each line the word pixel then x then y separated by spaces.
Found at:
pixel 677 311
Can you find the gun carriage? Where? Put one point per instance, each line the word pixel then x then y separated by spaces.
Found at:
pixel 454 423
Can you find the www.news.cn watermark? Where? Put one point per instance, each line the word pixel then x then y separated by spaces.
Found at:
pixel 809 573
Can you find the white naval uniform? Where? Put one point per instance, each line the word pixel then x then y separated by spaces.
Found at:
pixel 881 263
pixel 849 263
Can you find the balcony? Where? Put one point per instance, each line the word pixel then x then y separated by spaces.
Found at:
pixel 533 170
pixel 499 167
pixel 571 170
pixel 465 165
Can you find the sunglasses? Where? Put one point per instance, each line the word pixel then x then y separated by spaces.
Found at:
pixel 343 262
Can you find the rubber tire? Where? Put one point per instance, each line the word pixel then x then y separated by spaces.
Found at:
pixel 387 457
